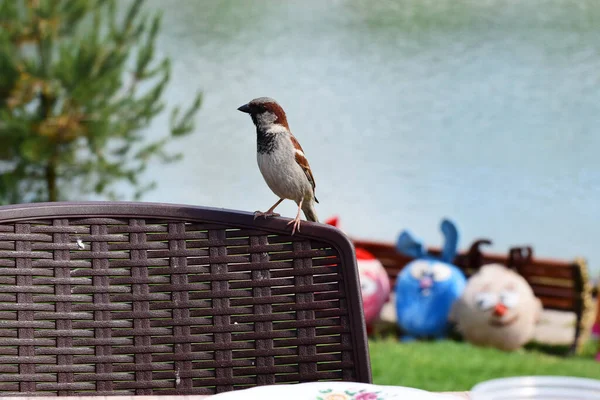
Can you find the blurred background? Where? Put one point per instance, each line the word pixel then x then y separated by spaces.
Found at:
pixel 482 111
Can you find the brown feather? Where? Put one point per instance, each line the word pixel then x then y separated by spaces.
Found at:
pixel 303 162
pixel 279 113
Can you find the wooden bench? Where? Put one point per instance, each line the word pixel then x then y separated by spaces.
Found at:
pixel 597 319
pixel 158 299
pixel 560 285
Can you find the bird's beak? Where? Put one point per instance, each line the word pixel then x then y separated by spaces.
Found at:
pixel 245 108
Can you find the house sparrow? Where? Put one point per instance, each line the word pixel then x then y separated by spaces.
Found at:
pixel 281 160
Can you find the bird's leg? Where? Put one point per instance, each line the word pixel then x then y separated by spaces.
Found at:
pixel 296 221
pixel 269 212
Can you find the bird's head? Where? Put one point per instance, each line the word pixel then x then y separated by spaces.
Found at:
pixel 265 112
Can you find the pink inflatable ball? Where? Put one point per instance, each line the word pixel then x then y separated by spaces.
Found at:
pixel 374 281
pixel 374 284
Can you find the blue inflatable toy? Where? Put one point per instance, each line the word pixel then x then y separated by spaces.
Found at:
pixel 428 286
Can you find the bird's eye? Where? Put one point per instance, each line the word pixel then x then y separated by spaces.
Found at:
pixel 419 269
pixel 441 272
pixel 509 298
pixel 485 300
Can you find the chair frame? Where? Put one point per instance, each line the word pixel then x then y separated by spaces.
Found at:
pixel 60 306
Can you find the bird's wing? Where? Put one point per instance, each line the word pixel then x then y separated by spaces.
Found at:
pixel 303 163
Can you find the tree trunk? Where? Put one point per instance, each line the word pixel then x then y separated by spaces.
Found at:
pixel 51 180
pixel 45 110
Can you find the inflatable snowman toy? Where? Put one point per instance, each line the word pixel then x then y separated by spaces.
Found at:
pixel 497 309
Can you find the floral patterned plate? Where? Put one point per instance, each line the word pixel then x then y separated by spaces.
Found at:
pixel 332 391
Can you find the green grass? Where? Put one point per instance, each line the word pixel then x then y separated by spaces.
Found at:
pixel 458 366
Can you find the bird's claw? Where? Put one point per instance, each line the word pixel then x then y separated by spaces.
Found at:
pixel 296 226
pixel 265 214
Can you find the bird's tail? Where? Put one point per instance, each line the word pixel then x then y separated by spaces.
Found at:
pixel 310 213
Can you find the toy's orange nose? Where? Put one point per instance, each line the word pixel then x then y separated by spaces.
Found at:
pixel 499 310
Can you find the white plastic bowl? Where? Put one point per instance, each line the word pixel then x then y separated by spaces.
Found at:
pixel 537 388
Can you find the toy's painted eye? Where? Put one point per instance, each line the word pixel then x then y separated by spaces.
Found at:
pixel 367 286
pixel 419 269
pixel 485 300
pixel 441 272
pixel 509 298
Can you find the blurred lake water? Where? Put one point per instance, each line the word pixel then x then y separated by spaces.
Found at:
pixel 483 111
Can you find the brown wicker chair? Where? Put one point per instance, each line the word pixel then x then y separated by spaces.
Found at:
pixel 108 298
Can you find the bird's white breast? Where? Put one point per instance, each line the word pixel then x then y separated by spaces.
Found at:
pixel 281 171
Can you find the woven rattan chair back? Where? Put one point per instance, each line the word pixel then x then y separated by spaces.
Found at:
pixel 161 299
